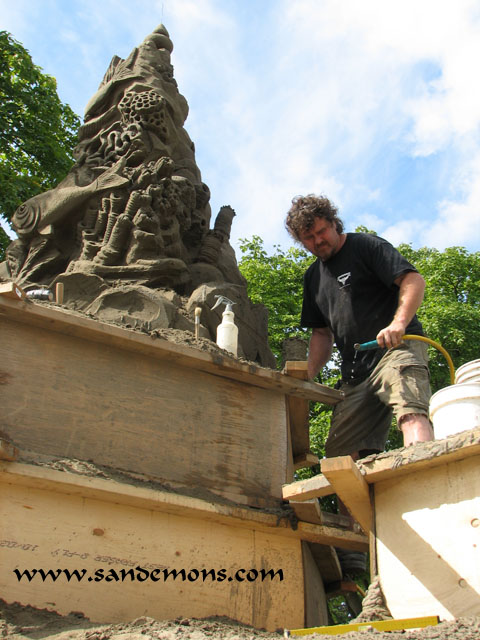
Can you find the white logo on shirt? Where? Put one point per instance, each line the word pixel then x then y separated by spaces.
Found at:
pixel 343 278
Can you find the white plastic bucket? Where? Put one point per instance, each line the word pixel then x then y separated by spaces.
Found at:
pixel 469 372
pixel 455 408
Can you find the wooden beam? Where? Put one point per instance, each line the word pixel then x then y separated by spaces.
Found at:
pixel 56 319
pixel 351 487
pixel 327 562
pixel 11 290
pixel 337 520
pixel 422 455
pixel 305 460
pixel 178 504
pixel 396 463
pixel 308 511
pixel 298 409
pixel 315 487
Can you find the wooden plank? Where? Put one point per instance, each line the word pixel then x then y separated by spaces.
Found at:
pixel 351 487
pixel 327 562
pixel 11 290
pixel 372 535
pixel 428 540
pixel 308 510
pixel 338 520
pixel 396 463
pixel 316 612
pixel 68 397
pixel 423 455
pixel 175 503
pixel 305 460
pixel 297 366
pixel 61 531
pixel 315 487
pixel 289 469
pixel 56 319
pixel 299 414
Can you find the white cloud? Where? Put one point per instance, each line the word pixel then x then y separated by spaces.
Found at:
pixel 344 98
pixel 458 220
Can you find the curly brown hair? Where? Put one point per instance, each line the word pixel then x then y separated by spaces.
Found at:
pixel 301 215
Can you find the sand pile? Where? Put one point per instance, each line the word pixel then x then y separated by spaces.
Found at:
pixel 19 623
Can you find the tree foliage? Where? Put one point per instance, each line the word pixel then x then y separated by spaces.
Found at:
pixel 37 131
pixel 450 312
pixel 276 281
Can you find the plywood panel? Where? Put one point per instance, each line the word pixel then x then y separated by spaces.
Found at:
pixel 57 320
pixel 157 499
pixel 428 541
pixel 69 397
pixel 43 529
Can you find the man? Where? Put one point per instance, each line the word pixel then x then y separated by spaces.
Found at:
pixel 360 289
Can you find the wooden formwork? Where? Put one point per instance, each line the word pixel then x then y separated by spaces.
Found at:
pixel 213 436
pixel 79 388
pixel 421 509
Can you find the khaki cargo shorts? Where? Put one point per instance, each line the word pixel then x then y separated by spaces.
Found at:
pixel 399 385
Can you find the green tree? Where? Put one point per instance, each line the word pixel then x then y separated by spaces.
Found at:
pixel 37 131
pixel 276 281
pixel 450 312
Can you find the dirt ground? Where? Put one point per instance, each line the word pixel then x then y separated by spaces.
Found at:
pixel 20 623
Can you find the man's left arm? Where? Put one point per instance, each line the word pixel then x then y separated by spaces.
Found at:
pixel 410 297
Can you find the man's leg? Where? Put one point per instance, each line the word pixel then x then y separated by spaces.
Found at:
pixel 359 427
pixel 403 383
pixel 415 427
pixel 360 423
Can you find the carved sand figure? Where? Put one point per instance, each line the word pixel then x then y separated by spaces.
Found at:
pixel 133 211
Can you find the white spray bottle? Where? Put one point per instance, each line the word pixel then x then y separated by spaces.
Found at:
pixel 227 331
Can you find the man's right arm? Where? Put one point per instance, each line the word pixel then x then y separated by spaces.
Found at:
pixel 320 350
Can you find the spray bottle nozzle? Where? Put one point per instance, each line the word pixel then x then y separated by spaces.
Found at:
pixel 223 300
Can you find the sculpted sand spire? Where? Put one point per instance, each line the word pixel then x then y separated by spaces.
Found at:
pixel 133 211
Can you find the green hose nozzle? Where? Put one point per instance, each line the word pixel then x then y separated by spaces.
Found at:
pixel 365 346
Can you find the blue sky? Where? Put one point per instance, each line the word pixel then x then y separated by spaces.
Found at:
pixel 374 103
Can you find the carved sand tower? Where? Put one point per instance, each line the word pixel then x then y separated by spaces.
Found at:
pixel 132 218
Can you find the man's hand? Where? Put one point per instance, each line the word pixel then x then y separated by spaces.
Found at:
pixel 391 336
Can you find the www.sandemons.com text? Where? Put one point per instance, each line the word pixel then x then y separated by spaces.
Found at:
pixel 139 574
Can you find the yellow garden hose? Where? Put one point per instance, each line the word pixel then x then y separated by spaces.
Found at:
pixel 437 346
pixel 374 345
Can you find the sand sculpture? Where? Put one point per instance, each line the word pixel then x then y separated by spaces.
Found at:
pixel 128 230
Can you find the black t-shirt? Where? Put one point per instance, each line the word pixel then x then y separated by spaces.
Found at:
pixel 354 294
